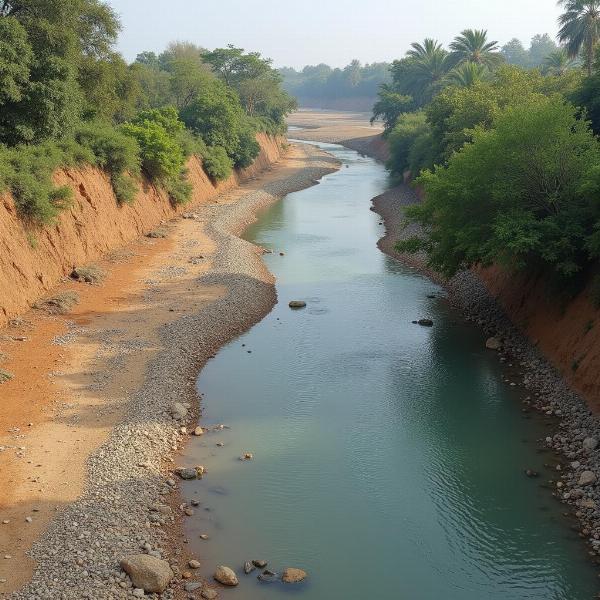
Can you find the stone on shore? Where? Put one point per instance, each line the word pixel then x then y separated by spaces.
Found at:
pixel 209 594
pixel 198 431
pixel 225 575
pixel 261 564
pixel 425 322
pixel 297 304
pixel 178 411
pixel 187 473
pixel 292 575
pixel 148 572
pixel 248 567
pixel 590 443
pixel 587 478
pixel 493 343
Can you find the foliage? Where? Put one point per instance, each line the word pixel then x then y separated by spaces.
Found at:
pixel 472 46
pixel 390 106
pixel 407 142
pixel 521 193
pixel 317 85
pixel 216 163
pixel 580 28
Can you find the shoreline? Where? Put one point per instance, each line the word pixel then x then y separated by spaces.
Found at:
pixel 575 430
pixel 130 493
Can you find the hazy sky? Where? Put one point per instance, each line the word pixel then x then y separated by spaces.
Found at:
pixel 300 32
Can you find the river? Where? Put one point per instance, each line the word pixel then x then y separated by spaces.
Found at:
pixel 389 458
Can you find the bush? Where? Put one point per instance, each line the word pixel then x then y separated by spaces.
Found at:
pixel 247 150
pixel 216 164
pixel 179 189
pixel 521 194
pixel 409 142
pixel 124 187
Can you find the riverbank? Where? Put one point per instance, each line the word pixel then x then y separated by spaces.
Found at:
pixel 574 431
pixel 90 475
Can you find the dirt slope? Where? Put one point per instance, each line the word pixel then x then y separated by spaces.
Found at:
pixel 34 259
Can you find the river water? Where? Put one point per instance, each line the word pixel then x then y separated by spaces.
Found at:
pixel 388 457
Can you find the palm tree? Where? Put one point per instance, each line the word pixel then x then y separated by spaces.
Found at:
pixel 467 73
pixel 472 46
pixel 580 28
pixel 427 65
pixel 558 62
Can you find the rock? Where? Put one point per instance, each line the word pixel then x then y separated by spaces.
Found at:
pixel 531 473
pixel 268 576
pixel 587 478
pixel 225 575
pixel 425 322
pixel 192 586
pixel 292 575
pixel 209 594
pixel 493 343
pixel 148 572
pixel 590 443
pixel 138 593
pixel 189 512
pixel 178 411
pixel 194 564
pixel 588 503
pixel 297 304
pixel 187 473
pixel 203 536
pixel 198 431
pixel 261 564
pixel 247 456
pixel 200 470
pixel 248 567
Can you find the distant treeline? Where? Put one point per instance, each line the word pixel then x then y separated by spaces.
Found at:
pixel 354 87
pixel 68 98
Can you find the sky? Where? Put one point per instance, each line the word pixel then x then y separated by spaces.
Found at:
pixel 301 32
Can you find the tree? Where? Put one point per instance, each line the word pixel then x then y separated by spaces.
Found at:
pixel 390 106
pixel 15 60
pixel 466 74
pixel 521 194
pixel 61 35
pixel 514 53
pixel 216 115
pixel 580 29
pixel 558 62
pixel 472 45
pixel 541 47
pixel 426 67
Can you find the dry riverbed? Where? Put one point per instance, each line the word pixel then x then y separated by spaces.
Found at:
pixel 103 397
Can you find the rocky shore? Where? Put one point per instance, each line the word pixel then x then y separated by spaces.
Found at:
pixel 130 506
pixel 576 432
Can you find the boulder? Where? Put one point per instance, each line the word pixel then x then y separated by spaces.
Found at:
pixel 587 478
pixel 148 572
pixel 425 322
pixel 187 473
pixel 297 304
pixel 225 575
pixel 590 443
pixel 292 575
pixel 493 343
pixel 178 411
pixel 209 594
pixel 248 567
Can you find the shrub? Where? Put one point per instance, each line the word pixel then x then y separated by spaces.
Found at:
pixel 179 189
pixel 216 164
pixel 247 150
pixel 520 194
pixel 409 142
pixel 5 376
pixel 59 304
pixel 88 274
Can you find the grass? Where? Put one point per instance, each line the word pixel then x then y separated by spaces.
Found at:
pixel 5 376
pixel 59 304
pixel 88 274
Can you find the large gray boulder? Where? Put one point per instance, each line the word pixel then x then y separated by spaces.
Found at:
pixel 148 572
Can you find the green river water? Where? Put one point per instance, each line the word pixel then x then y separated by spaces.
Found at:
pixel 388 458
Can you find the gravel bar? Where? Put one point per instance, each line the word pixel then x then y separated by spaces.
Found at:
pixel 125 506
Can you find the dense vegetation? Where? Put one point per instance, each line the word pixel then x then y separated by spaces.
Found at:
pixel 507 154
pixel 319 85
pixel 67 98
